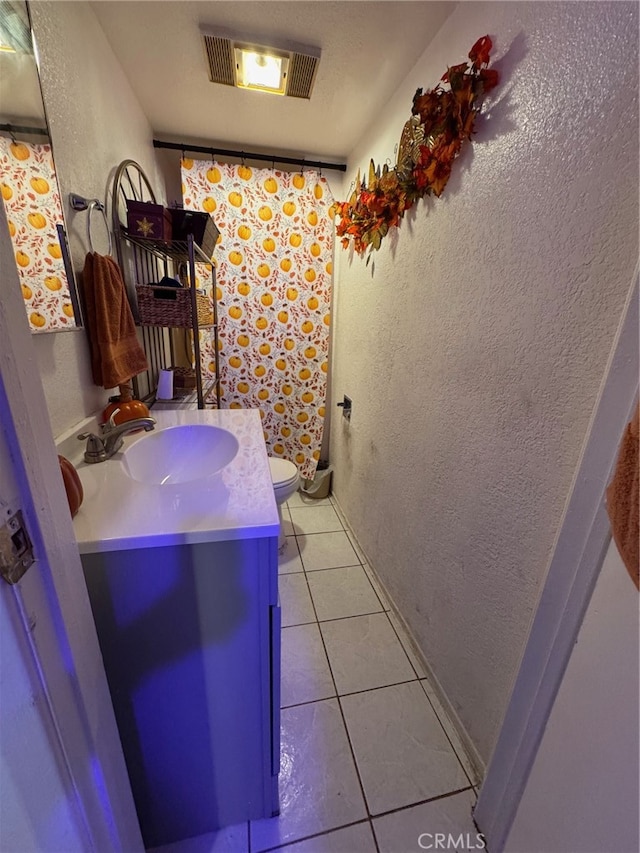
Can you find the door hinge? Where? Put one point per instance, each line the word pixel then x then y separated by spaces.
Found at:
pixel 16 550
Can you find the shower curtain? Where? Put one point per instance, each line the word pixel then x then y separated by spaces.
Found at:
pixel 33 205
pixel 274 262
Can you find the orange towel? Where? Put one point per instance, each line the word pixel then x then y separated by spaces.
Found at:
pixel 116 354
pixel 622 500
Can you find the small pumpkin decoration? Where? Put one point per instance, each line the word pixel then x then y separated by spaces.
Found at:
pixel 124 407
pixel 72 485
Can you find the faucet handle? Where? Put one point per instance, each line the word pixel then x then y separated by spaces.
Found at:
pixel 110 423
pixel 95 451
pixel 112 418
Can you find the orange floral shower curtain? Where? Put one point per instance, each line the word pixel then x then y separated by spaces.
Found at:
pixel 274 262
pixel 33 205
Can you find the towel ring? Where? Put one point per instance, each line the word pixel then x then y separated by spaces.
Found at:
pixel 79 203
pixel 94 203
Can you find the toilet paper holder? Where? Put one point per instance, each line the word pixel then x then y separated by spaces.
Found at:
pixel 345 405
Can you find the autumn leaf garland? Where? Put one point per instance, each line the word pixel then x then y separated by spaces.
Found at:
pixel 442 119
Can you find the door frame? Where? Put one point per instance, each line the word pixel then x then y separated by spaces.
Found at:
pixel 59 625
pixel 577 557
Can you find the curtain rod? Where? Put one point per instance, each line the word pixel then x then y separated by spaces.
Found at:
pixel 248 155
pixel 18 128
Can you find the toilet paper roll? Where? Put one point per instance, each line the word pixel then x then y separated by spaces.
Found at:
pixel 165 385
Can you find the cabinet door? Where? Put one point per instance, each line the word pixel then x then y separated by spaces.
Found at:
pixel 192 655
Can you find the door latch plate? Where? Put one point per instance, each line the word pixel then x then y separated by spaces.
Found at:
pixel 16 550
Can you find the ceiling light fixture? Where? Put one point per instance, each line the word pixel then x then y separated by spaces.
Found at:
pixel 280 69
pixel 258 69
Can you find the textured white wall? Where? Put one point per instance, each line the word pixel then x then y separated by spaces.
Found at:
pixel 474 353
pixel 96 122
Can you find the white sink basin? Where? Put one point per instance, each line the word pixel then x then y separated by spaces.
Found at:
pixel 179 454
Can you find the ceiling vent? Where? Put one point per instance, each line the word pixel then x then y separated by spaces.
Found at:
pixel 225 54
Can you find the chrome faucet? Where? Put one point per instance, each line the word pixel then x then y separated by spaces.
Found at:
pixel 102 448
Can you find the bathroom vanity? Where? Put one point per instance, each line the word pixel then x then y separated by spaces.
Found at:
pixel 182 578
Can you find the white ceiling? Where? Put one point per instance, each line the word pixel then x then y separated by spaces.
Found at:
pixel 367 49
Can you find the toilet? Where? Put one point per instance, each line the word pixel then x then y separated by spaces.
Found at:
pixel 285 479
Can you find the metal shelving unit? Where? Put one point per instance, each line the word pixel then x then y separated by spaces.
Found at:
pixel 188 252
pixel 146 261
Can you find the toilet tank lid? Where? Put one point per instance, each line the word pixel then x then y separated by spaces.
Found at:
pixel 282 471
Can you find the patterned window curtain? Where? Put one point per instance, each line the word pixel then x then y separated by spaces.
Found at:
pixel 274 265
pixel 32 202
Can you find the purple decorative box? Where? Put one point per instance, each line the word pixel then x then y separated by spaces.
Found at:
pixel 151 221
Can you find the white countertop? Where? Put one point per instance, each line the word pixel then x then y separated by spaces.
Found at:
pixel 119 513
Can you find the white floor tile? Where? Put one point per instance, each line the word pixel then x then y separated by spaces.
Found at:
pixel 295 600
pixel 231 839
pixel 298 499
pixel 351 839
pixel 402 753
pixel 364 653
pixel 326 551
pixel 450 817
pixel 306 676
pixel 474 776
pixel 408 646
pixel 314 519
pixel 289 560
pixel 319 787
pixel 342 592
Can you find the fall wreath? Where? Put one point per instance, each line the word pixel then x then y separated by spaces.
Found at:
pixel 442 119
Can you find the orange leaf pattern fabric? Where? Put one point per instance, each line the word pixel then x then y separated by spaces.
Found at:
pixel 32 201
pixel 274 271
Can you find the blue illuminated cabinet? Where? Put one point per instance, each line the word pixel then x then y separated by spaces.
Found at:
pixel 190 637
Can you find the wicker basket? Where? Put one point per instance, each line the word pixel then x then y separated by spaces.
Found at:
pixel 171 306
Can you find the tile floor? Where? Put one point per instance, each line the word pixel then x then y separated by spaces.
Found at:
pixel 368 760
